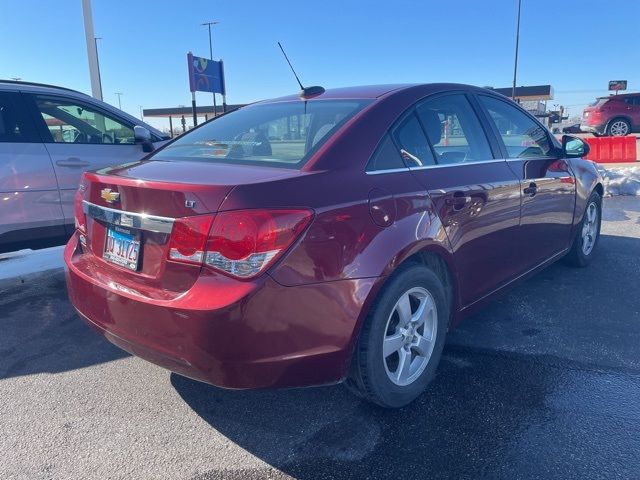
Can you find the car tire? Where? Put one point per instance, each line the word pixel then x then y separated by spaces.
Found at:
pixel 587 234
pixel 618 127
pixel 393 377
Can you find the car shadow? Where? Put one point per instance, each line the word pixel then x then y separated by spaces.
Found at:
pixel 491 391
pixel 41 332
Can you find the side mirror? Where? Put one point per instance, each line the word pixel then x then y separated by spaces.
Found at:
pixel 574 147
pixel 143 137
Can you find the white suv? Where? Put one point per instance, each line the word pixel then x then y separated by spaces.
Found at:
pixel 48 137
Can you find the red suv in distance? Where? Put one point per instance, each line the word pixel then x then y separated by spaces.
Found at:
pixel 615 115
pixel 303 241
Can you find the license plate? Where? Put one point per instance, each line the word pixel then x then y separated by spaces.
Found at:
pixel 123 249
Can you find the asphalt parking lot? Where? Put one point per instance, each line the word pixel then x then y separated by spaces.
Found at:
pixel 543 383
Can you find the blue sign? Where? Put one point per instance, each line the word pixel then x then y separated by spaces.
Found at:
pixel 205 75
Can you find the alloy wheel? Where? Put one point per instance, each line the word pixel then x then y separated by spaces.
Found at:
pixel 590 228
pixel 410 336
pixel 619 128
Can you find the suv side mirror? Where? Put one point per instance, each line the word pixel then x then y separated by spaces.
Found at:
pixel 574 147
pixel 143 137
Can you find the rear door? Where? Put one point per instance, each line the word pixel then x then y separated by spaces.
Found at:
pixel 29 199
pixel 548 185
pixel 80 136
pixel 476 195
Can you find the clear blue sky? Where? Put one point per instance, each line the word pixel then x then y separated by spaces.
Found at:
pixel 576 46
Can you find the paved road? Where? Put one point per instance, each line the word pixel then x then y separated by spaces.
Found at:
pixel 544 383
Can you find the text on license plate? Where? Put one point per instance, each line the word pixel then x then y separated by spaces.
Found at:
pixel 122 249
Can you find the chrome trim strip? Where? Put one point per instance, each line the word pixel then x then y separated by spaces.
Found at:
pixel 150 223
pixel 441 165
pixel 388 170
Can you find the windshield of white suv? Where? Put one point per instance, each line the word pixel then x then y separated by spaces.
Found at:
pixel 282 134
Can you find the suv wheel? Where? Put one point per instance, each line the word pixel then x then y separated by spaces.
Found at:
pixel 618 127
pixel 402 339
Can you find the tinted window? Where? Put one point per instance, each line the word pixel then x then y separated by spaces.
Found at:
pixel 413 143
pixel 386 157
pixel 454 130
pixel 282 134
pixel 70 121
pixel 14 124
pixel 522 136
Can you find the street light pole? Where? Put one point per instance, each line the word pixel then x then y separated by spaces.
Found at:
pixel 119 94
pixel 515 65
pixel 208 24
pixel 95 40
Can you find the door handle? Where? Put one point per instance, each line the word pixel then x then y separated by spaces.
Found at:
pixel 72 162
pixel 531 190
pixel 458 200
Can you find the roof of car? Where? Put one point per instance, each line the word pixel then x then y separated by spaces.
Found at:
pixel 18 84
pixel 373 91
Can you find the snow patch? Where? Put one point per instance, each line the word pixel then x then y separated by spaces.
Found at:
pixel 25 262
pixel 620 180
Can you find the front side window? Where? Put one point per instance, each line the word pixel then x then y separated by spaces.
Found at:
pixel 522 136
pixel 454 130
pixel 283 134
pixel 69 121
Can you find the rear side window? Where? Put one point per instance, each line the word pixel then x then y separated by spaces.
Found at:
pixel 414 147
pixel 70 121
pixel 454 130
pixel 282 134
pixel 522 136
pixel 386 157
pixel 15 126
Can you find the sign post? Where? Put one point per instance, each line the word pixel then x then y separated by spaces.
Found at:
pixel 205 75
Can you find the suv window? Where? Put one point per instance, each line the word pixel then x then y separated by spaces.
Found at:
pixel 70 121
pixel 454 130
pixel 386 157
pixel 523 137
pixel 414 147
pixel 632 101
pixel 14 124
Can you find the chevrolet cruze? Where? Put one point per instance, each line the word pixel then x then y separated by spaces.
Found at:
pixel 328 236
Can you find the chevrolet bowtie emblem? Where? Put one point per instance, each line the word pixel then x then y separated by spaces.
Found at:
pixel 109 196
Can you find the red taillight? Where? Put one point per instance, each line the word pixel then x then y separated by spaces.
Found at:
pixel 78 213
pixel 189 238
pixel 245 243
pixel 241 243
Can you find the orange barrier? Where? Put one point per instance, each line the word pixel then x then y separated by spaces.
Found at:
pixel 612 149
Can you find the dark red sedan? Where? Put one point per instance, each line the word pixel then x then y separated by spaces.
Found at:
pixel 304 241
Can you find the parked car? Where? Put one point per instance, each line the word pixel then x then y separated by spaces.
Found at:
pixel 575 128
pixel 345 255
pixel 615 115
pixel 48 137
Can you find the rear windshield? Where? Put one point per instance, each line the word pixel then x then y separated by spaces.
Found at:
pixel 598 102
pixel 272 134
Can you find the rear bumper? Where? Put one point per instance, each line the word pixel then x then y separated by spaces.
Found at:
pixel 600 129
pixel 228 333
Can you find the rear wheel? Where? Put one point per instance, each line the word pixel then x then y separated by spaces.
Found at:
pixel 402 340
pixel 588 233
pixel 618 127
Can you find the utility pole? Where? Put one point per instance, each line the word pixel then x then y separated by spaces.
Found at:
pixel 209 24
pixel 141 113
pixel 95 40
pixel 119 94
pixel 515 65
pixel 94 73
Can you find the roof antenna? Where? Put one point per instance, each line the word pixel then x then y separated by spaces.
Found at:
pixel 307 92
